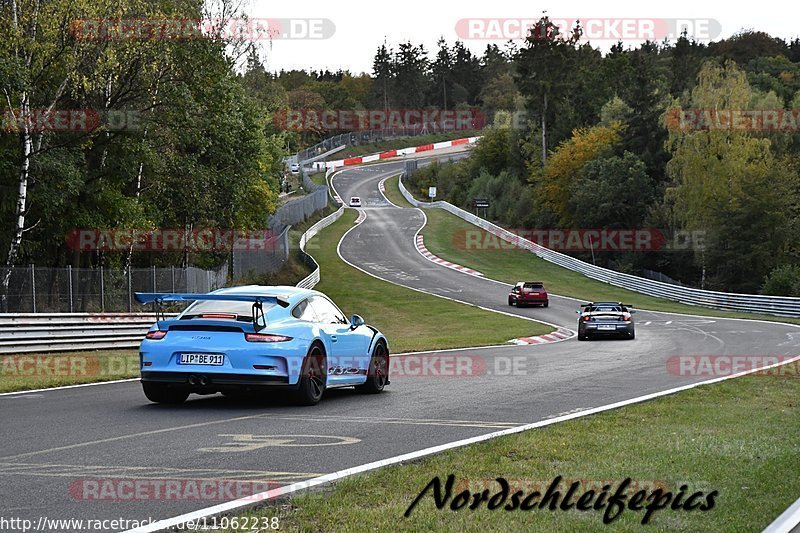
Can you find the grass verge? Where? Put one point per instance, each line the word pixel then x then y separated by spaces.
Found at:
pixel 412 321
pixel 734 437
pixel 445 237
pixel 392 192
pixel 45 370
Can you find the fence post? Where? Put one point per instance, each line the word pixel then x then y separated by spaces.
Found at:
pixel 172 268
pixel 102 291
pixel 33 288
pixel 130 294
pixel 154 278
pixel 69 275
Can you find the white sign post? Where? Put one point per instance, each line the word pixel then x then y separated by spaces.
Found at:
pixel 431 192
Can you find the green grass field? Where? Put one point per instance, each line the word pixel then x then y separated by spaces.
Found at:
pixel 737 437
pixel 392 192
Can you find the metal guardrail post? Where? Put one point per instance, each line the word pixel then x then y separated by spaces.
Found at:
pixel 69 275
pixel 102 291
pixel 33 288
pixel 172 271
pixel 130 294
pixel 154 278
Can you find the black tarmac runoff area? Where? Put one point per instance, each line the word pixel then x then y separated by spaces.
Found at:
pixel 83 452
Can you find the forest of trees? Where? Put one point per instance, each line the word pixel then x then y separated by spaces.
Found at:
pixel 202 148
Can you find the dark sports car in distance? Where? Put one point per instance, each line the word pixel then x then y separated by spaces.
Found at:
pixel 606 319
pixel 528 293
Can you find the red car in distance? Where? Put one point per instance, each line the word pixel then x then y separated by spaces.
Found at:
pixel 528 293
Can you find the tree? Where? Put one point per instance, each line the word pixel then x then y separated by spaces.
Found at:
pixel 383 73
pixel 411 76
pixel 544 69
pixel 441 75
pixel 612 192
pixel 727 183
pixel 686 58
pixel 567 163
pixel 500 93
pixel 647 97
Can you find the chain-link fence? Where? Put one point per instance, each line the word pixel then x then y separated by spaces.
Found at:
pixel 35 289
pixel 300 209
pixel 271 258
pixel 267 259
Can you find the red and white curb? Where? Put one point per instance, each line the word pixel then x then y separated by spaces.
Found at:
pixel 557 336
pixel 362 216
pixel 439 261
pixel 394 153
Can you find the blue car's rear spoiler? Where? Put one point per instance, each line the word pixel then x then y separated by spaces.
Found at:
pixel 161 297
pixel 259 319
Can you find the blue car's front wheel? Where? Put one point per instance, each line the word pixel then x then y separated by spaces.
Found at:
pixel 313 377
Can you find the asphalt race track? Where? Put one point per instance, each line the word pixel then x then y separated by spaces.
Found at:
pixel 54 441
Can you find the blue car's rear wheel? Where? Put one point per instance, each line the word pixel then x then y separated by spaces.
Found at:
pixel 313 377
pixel 378 371
pixel 161 393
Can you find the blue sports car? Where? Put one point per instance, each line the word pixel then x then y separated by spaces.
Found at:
pixel 243 339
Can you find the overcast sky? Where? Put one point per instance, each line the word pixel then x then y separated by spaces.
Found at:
pixel 360 27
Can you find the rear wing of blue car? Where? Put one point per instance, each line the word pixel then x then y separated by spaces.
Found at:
pixel 159 298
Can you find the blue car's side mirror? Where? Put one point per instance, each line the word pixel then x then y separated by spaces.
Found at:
pixel 356 321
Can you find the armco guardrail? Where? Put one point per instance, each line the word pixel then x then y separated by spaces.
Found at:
pixel 58 332
pixel 784 306
pixel 312 279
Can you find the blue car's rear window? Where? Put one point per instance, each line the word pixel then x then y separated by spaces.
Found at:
pixel 237 308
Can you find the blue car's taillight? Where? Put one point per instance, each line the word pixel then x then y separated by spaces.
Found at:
pixel 261 337
pixel 156 335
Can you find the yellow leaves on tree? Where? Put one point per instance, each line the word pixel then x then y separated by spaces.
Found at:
pixel 566 163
